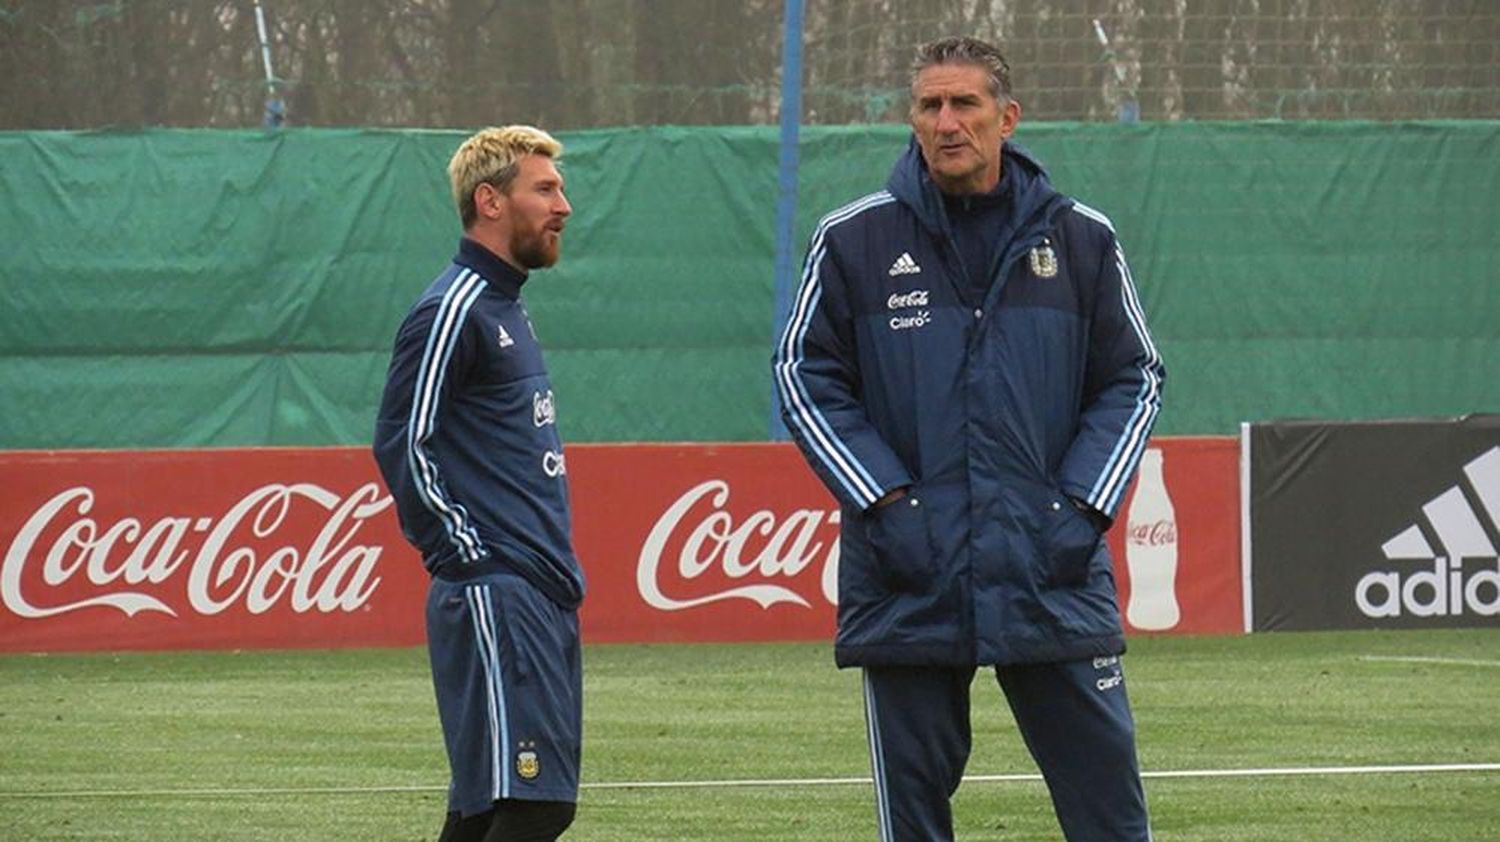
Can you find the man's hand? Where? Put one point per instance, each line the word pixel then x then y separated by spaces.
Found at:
pixel 889 497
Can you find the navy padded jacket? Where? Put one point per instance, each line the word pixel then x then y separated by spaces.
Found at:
pixel 993 412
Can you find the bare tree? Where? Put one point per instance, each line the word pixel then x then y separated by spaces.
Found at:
pixel 581 63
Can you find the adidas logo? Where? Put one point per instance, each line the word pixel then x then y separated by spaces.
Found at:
pixel 904 265
pixel 1445 588
pixel 505 340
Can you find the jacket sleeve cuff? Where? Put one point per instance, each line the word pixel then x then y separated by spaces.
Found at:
pixel 1100 520
pixel 1080 493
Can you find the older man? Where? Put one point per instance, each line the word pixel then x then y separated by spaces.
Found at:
pixel 967 368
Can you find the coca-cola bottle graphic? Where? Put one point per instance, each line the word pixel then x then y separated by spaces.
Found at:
pixel 1151 550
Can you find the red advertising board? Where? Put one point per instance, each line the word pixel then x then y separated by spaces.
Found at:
pixel 706 542
pixel 1190 548
pixel 269 548
pixel 203 549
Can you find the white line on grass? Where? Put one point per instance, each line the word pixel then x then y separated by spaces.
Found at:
pixel 1415 659
pixel 781 782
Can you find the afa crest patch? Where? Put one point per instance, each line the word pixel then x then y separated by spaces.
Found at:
pixel 1044 261
pixel 527 765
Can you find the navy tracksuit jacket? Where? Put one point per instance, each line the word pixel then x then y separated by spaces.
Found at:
pixel 466 438
pixel 994 412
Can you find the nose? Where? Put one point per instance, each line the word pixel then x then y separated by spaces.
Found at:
pixel 947 119
pixel 564 208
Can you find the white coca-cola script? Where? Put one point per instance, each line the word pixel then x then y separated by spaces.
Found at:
pixel 234 559
pixel 763 547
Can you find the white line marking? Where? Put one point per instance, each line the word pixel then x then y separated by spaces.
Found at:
pixel 780 782
pixel 1327 770
pixel 1247 554
pixel 151 793
pixel 1414 659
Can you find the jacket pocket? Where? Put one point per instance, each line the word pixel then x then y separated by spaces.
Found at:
pixel 901 545
pixel 1070 543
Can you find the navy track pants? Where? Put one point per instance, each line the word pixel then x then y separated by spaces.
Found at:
pixel 1074 717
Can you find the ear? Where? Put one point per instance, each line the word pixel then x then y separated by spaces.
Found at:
pixel 1009 118
pixel 489 202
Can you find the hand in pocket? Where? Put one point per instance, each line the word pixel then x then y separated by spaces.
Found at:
pixel 903 550
pixel 1072 539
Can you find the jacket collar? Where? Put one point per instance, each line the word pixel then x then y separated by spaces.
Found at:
pixel 911 184
pixel 501 275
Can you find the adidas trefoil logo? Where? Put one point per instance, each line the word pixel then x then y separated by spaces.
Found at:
pixel 505 340
pixel 1444 588
pixel 904 265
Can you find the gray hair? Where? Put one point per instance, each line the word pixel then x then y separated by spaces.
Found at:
pixel 962 49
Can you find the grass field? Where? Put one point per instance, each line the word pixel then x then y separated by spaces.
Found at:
pixel 305 745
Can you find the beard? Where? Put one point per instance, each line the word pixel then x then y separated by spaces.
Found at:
pixel 536 250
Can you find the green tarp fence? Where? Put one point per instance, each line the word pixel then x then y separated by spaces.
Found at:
pixel 180 288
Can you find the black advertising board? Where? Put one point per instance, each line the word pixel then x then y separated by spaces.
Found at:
pixel 1390 524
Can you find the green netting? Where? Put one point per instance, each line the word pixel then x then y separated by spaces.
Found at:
pixel 224 288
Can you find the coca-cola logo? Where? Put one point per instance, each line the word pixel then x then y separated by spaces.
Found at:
pixel 760 556
pixel 915 298
pixel 212 563
pixel 1152 533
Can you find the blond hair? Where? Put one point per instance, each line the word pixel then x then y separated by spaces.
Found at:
pixel 493 156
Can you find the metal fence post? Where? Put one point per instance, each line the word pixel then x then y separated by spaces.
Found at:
pixel 786 203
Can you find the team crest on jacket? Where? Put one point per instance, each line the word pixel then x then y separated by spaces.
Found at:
pixel 1044 261
pixel 527 765
pixel 505 340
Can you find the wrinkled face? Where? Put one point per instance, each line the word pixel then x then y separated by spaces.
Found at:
pixel 960 126
pixel 536 210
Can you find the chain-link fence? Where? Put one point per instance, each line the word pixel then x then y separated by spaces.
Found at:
pixel 572 64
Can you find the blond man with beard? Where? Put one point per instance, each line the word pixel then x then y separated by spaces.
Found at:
pixel 467 442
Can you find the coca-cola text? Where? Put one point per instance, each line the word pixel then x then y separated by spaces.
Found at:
pixel 706 537
pixel 230 565
pixel 1152 534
